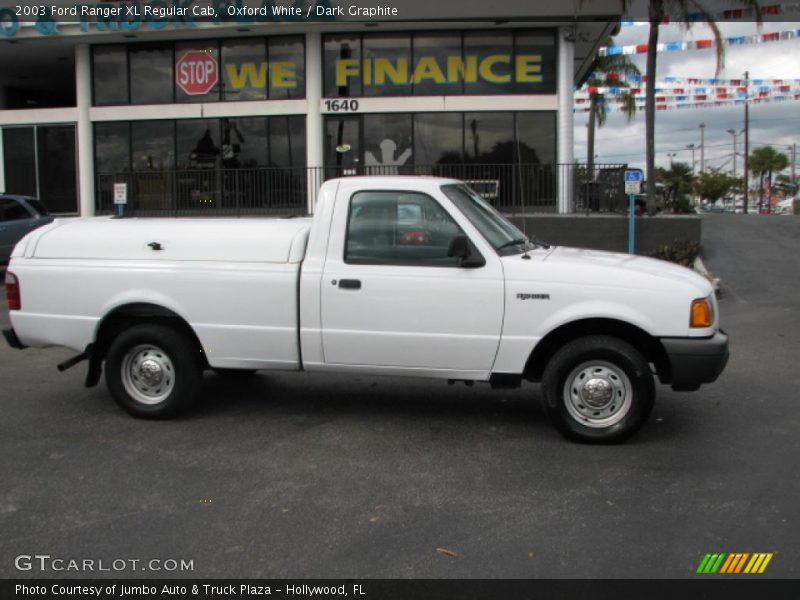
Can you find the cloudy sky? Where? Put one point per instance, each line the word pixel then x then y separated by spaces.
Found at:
pixel 776 124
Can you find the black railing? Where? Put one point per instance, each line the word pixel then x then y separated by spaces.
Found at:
pixel 512 188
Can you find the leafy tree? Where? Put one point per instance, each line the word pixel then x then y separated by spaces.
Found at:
pixel 677 182
pixel 677 10
pixel 763 162
pixel 598 104
pixel 713 186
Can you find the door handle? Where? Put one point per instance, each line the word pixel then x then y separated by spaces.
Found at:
pixel 350 284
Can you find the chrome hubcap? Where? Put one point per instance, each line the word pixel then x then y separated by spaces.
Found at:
pixel 148 374
pixel 598 394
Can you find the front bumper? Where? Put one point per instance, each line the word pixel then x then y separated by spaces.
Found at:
pixel 13 340
pixel 695 361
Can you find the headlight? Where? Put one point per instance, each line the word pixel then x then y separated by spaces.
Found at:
pixel 701 314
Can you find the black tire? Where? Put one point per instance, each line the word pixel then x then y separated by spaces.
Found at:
pixel 235 373
pixel 615 376
pixel 175 370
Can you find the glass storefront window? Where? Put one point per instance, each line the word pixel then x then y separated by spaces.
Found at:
pixel 244 72
pixel 287 141
pixel 438 138
pixel 489 137
pixel 438 58
pixel 244 143
pixel 56 150
pixel 388 145
pixel 197 143
pixel 110 75
pixel 206 48
pixel 286 68
pixel 536 132
pixel 20 160
pixel 153 145
pixel 343 144
pixel 387 69
pixel 248 69
pixel 535 62
pixel 441 63
pixel 342 66
pixel 151 73
pixel 112 147
pixel 401 143
pixel 490 53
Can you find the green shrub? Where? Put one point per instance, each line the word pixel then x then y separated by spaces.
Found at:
pixel 683 252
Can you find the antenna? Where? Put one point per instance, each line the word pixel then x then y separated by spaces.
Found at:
pixel 519 170
pixel 521 189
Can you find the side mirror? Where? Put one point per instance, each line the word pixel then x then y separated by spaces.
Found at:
pixel 459 247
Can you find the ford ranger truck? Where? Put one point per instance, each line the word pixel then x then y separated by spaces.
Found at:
pixel 401 276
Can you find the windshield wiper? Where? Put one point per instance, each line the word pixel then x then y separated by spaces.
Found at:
pixel 540 243
pixel 513 243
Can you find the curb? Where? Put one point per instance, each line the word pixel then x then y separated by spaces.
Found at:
pixel 700 267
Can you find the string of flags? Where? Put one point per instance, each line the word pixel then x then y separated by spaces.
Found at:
pixel 737 40
pixel 709 81
pixel 701 92
pixel 736 14
pixel 683 102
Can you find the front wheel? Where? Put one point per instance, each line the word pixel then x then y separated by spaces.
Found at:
pixel 153 371
pixel 598 389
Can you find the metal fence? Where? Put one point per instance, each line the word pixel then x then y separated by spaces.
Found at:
pixel 512 188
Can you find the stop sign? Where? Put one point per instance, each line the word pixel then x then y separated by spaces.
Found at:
pixel 196 72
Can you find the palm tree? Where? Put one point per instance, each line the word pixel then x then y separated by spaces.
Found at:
pixel 764 161
pixel 598 104
pixel 677 10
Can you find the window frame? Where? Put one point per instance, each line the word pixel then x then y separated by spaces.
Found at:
pixel 402 262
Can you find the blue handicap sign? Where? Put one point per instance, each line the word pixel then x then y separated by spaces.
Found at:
pixel 633 176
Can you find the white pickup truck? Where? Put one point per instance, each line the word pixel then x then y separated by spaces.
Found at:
pixel 413 276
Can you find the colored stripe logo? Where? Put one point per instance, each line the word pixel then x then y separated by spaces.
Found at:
pixel 734 563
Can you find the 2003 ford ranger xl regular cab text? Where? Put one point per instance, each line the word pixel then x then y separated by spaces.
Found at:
pixel 409 276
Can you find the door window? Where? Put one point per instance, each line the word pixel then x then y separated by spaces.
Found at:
pixel 399 228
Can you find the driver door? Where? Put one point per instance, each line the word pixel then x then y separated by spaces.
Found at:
pixel 391 297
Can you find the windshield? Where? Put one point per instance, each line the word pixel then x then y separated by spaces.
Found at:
pixel 498 231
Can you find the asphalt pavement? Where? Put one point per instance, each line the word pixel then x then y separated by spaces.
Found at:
pixel 301 476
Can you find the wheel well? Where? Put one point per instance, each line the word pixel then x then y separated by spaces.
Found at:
pixel 124 317
pixel 649 346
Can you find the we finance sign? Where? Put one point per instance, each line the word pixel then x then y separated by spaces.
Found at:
pixel 495 68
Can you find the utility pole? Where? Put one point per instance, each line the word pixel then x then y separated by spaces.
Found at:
pixel 746 138
pixel 702 147
pixel 691 147
pixel 793 149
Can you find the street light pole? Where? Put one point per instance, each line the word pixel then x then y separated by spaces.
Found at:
pixel 671 155
pixel 734 134
pixel 702 147
pixel 746 139
pixel 692 148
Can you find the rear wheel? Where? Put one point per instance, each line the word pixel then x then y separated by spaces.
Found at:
pixel 153 371
pixel 598 389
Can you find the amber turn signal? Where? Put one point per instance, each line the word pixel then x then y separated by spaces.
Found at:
pixel 701 313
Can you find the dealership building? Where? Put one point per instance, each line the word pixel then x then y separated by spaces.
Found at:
pixel 248 112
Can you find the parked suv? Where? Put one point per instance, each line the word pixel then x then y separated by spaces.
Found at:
pixel 18 216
